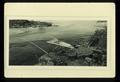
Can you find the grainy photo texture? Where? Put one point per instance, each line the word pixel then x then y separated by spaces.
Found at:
pixel 58 42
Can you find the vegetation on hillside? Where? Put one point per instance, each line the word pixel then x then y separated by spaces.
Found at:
pixel 27 23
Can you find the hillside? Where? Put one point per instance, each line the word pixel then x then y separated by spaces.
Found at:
pixel 28 23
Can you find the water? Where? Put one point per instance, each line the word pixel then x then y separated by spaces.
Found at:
pixel 63 30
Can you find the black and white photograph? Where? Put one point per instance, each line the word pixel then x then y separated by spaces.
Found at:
pixel 57 42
